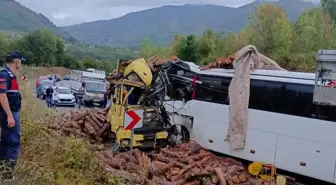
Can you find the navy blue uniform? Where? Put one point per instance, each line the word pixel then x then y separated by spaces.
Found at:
pixel 10 137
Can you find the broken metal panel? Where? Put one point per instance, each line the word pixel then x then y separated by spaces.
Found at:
pixel 325 78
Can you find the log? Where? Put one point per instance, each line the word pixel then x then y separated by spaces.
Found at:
pixel 193 176
pixel 93 117
pixel 214 179
pixel 193 165
pixel 158 168
pixel 89 128
pixel 73 131
pixel 220 176
pixel 80 116
pixel 161 158
pixel 99 117
pixel 93 124
pixel 186 160
pixel 75 125
pixel 193 183
pixel 103 130
pixel 170 154
pixel 201 156
pixel 126 156
pixel 207 181
pixel 139 158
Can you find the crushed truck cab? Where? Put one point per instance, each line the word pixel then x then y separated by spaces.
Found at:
pixel 132 83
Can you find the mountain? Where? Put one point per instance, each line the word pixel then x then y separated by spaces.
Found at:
pixel 161 24
pixel 16 18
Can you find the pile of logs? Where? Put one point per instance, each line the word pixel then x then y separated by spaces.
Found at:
pixel 187 164
pixel 89 123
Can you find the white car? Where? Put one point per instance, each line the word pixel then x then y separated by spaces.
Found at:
pixel 65 97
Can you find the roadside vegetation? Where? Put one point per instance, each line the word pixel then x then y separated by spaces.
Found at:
pixel 292 44
pixel 43 48
pixel 49 159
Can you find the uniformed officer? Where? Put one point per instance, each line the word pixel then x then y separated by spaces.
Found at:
pixel 10 100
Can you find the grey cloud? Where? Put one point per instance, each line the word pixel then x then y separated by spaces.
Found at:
pixel 67 12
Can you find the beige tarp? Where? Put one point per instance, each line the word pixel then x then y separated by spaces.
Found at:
pixel 247 60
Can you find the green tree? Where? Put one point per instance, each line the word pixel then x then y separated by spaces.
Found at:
pixel 330 7
pixel 271 31
pixel 176 44
pixel 59 53
pixel 71 61
pixel 88 62
pixel 146 48
pixel 3 46
pixel 188 49
pixel 40 47
pixel 313 30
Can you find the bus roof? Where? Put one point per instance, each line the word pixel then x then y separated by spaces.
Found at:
pixel 259 74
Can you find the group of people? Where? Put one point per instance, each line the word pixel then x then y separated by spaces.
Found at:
pixel 52 96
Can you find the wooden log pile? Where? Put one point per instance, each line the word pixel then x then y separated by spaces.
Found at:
pixel 187 164
pixel 89 123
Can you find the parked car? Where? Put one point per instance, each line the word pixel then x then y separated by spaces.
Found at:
pixel 39 79
pixel 41 89
pixel 65 97
pixel 67 77
pixel 54 77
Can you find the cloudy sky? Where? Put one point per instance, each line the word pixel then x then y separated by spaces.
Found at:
pixel 68 12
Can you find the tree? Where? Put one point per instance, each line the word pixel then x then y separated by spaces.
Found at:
pixel 146 48
pixel 40 47
pixel 330 7
pixel 313 30
pixel 70 61
pixel 271 31
pixel 188 49
pixel 3 46
pixel 59 54
pixel 88 62
pixel 176 44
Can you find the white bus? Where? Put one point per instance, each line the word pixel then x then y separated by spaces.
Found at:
pixel 285 127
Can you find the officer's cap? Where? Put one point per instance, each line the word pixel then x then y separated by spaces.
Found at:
pixel 14 55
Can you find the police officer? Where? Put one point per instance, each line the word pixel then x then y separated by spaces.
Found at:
pixel 10 100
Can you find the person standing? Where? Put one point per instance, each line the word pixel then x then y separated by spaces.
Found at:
pixel 10 100
pixel 80 97
pixel 49 94
pixel 109 96
pixel 55 97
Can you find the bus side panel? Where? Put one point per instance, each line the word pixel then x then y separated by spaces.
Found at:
pixel 210 135
pixel 210 125
pixel 260 146
pixel 306 157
